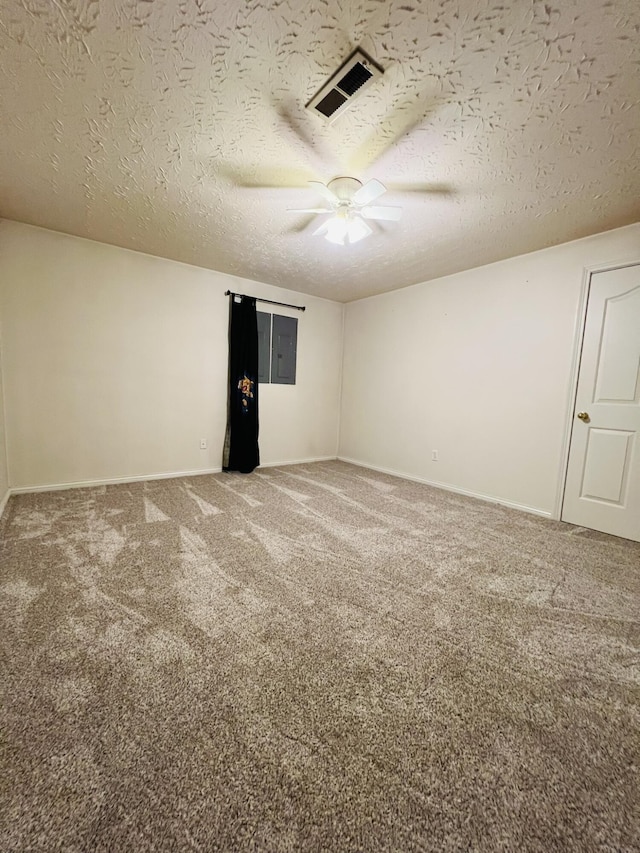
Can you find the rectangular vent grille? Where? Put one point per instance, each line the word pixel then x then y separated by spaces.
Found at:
pixel 353 76
pixel 331 102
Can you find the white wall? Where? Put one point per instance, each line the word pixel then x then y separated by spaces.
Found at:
pixel 115 364
pixel 476 366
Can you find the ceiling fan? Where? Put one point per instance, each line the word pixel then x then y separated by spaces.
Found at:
pixel 349 209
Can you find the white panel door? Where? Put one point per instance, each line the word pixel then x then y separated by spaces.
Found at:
pixel 602 489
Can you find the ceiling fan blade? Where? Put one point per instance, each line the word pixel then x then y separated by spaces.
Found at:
pixel 308 210
pixel 427 189
pixel 384 212
pixel 372 190
pixel 358 230
pixel 321 230
pixel 325 192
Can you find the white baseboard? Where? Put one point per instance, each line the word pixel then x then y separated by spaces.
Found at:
pixel 86 484
pixel 490 498
pixel 169 475
pixel 298 461
pixel 83 484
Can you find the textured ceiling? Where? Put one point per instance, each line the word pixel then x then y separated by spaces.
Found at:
pixel 178 128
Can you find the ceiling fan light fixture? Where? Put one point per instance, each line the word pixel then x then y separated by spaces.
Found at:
pixel 345 228
pixel 337 230
pixel 358 230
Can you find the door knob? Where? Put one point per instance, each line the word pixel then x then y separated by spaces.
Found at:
pixel 584 416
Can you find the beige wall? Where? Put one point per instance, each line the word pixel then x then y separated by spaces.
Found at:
pixel 115 364
pixel 476 366
pixel 4 473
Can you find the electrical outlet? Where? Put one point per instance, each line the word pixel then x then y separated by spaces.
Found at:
pixel 203 444
pixel 434 455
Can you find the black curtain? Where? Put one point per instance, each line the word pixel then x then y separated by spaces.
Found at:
pixel 241 452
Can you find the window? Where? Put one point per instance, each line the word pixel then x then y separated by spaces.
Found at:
pixel 277 347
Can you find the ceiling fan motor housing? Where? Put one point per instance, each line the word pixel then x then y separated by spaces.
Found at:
pixel 344 188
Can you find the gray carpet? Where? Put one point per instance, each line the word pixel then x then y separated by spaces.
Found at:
pixel 315 657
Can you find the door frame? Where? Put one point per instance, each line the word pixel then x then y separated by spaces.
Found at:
pixel 572 388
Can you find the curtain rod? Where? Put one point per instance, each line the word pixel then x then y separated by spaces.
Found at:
pixel 270 301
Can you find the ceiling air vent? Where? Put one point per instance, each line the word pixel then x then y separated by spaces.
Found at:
pixel 352 78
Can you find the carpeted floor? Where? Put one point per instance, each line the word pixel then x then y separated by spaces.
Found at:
pixel 315 657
